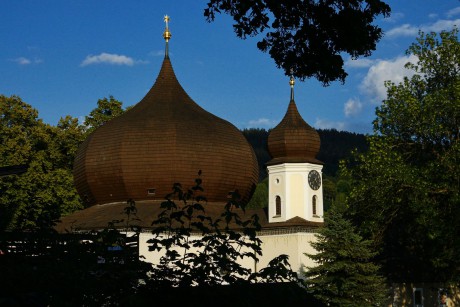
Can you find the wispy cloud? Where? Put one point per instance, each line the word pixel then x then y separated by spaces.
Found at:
pixel 111 59
pixel 359 63
pixel 403 30
pixel 453 12
pixel 81 119
pixel 327 124
pixel 352 107
pixel 26 61
pixel 394 17
pixel 441 25
pixel 383 70
pixel 411 30
pixel 262 123
pixel 22 61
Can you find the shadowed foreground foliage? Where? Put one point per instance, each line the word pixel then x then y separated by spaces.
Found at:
pixel 102 268
pixel 71 273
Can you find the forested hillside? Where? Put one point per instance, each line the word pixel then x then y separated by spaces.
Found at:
pixel 335 146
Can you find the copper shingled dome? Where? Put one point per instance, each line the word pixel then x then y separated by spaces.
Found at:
pixel 293 140
pixel 165 138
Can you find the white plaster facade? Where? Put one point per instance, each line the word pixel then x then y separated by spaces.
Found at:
pixel 293 244
pixel 289 182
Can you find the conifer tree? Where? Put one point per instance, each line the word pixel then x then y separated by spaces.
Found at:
pixel 345 274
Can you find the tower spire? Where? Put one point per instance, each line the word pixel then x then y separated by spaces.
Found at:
pixel 166 35
pixel 291 83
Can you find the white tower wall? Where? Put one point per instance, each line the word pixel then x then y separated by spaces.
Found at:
pixel 289 181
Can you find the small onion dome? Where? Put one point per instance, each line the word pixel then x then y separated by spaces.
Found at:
pixel 293 140
pixel 164 139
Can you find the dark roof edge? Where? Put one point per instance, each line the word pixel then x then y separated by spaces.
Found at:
pixel 282 160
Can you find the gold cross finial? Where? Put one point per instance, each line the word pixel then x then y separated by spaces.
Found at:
pixel 166 34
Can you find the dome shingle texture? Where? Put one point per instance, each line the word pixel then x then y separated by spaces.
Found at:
pixel 293 140
pixel 164 139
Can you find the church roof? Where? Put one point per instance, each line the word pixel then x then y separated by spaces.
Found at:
pixel 99 216
pixel 293 140
pixel 164 139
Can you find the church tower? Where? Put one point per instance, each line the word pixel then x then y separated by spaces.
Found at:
pixel 294 173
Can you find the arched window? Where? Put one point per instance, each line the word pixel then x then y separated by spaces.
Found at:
pixel 313 204
pixel 278 205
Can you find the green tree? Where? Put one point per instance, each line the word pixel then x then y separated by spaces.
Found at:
pixel 406 189
pixel 345 274
pixel 45 191
pixel 260 197
pixel 106 110
pixel 68 136
pixel 309 37
pixel 329 192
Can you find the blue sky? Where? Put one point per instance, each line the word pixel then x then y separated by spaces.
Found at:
pixel 62 56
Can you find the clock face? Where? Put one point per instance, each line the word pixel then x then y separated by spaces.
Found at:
pixel 314 180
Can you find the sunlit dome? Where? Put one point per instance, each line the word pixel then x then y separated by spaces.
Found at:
pixel 164 139
pixel 293 140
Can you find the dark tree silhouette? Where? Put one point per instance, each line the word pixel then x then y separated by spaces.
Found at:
pixel 307 36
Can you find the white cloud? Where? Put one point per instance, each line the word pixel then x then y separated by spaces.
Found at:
pixel 327 124
pixel 358 63
pixel 411 30
pixel 262 122
pixel 453 12
pixel 81 120
pixel 26 61
pixel 394 17
pixel 22 61
pixel 108 58
pixel 383 70
pixel 352 107
pixel 441 25
pixel 403 30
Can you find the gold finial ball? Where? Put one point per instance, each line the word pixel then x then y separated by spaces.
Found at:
pixel 292 82
pixel 166 35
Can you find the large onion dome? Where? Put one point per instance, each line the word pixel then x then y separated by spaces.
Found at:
pixel 164 139
pixel 293 140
